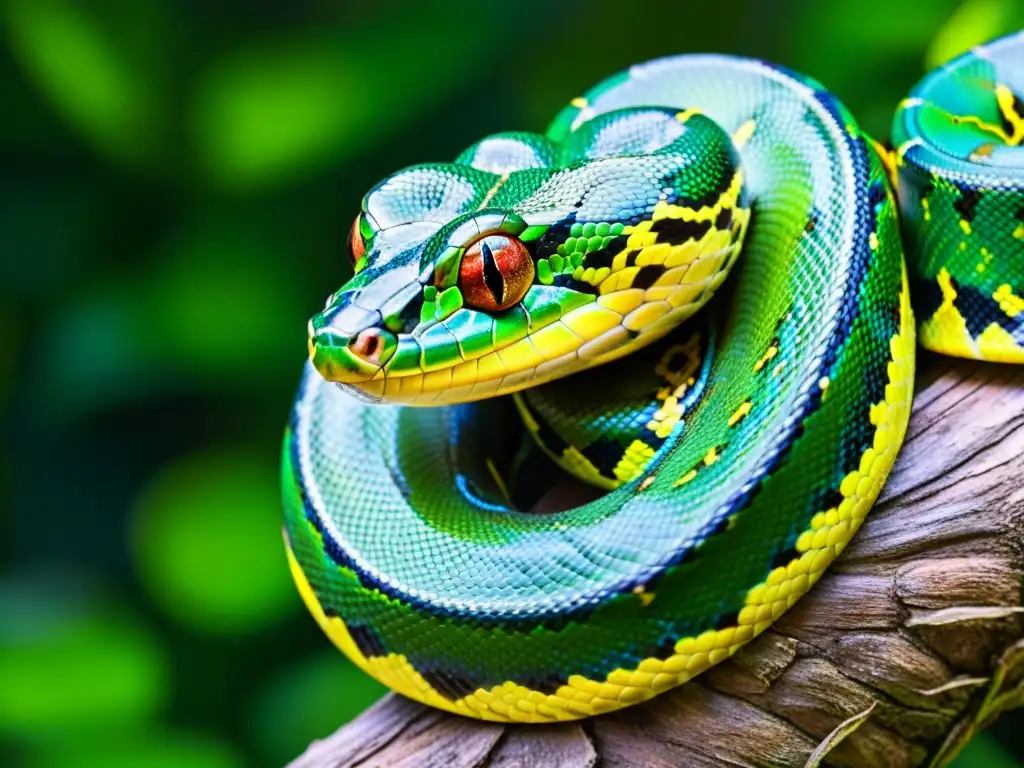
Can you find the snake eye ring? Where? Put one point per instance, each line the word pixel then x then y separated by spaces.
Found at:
pixel 495 273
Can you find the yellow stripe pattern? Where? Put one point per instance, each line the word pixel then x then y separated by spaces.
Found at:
pixel 946 331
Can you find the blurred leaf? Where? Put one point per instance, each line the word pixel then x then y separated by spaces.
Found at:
pixel 983 751
pixel 568 63
pixel 973 23
pixel 206 541
pixel 219 304
pixel 266 111
pixel 309 701
pixel 72 57
pixel 42 227
pixel 270 110
pixel 855 48
pixel 72 662
pixel 222 302
pixel 161 749
pixel 10 333
pixel 95 338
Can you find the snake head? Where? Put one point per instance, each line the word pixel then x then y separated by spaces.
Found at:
pixel 529 258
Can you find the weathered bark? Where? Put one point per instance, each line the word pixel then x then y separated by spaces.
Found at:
pixel 906 647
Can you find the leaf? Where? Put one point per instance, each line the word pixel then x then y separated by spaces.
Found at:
pixel 955 683
pixel 95 335
pixel 841 731
pixel 859 56
pixel 984 751
pixel 264 111
pixel 73 59
pixel 70 661
pixel 972 23
pixel 268 111
pixel 309 700
pixel 158 749
pixel 221 302
pixel 959 613
pixel 206 542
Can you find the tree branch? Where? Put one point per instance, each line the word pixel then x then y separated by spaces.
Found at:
pixel 909 644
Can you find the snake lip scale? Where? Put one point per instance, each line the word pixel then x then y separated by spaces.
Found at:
pixel 692 292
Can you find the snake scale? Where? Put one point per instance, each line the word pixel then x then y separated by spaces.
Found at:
pixel 692 288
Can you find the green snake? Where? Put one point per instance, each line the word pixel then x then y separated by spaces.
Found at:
pixel 694 284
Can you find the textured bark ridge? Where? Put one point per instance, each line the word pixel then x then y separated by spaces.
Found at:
pixel 905 648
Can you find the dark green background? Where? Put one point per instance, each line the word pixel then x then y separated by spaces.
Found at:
pixel 176 181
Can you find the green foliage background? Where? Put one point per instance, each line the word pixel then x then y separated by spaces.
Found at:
pixel 176 181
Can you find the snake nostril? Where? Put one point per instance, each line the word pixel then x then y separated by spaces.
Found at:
pixel 366 344
pixel 374 345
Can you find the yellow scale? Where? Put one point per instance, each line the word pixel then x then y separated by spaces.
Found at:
pixel 946 330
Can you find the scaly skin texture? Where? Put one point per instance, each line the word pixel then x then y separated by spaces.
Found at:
pixel 958 141
pixel 649 199
pixel 732 483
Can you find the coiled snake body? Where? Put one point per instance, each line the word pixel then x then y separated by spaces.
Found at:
pixel 738 450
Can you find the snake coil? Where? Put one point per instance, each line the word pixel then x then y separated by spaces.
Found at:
pixel 738 450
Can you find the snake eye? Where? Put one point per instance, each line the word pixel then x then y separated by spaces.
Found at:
pixel 356 246
pixel 495 273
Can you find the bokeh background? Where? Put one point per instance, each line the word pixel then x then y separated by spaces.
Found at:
pixel 177 178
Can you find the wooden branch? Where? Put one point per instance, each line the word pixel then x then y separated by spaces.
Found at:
pixel 909 644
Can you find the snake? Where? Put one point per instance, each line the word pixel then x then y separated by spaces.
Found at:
pixel 694 295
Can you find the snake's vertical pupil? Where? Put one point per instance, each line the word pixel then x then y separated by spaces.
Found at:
pixel 356 246
pixel 495 273
pixel 492 275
